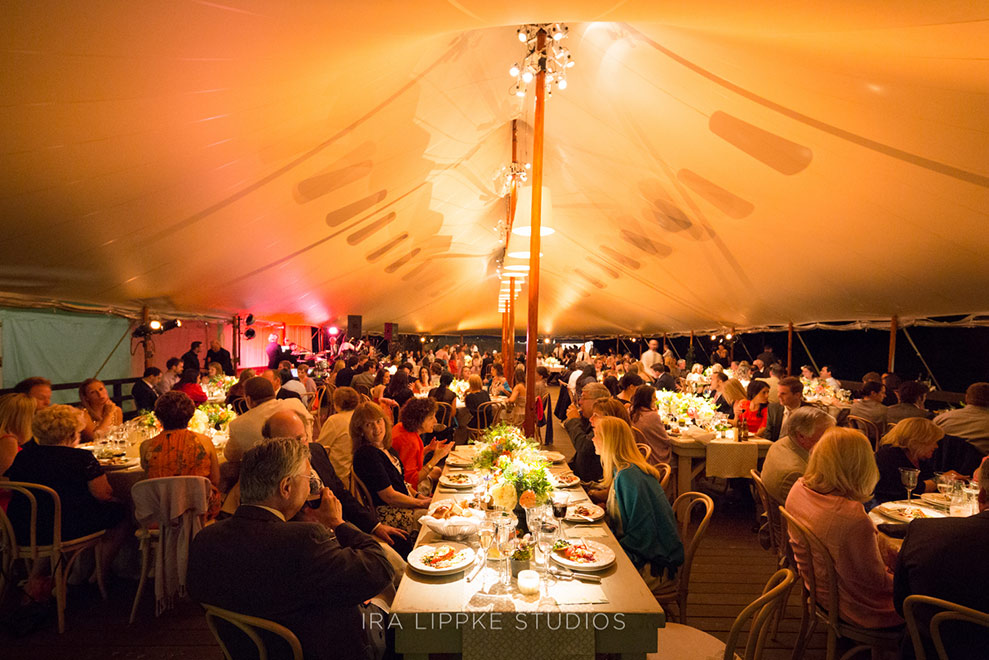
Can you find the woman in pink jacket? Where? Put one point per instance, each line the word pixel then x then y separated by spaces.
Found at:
pixel 841 475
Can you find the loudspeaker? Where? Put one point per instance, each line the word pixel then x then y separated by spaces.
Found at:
pixel 391 329
pixel 354 327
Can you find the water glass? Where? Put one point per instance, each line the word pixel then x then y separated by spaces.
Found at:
pixel 908 477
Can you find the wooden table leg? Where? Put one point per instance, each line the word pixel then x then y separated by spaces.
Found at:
pixel 684 474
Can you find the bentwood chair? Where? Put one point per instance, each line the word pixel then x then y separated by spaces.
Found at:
pixel 444 413
pixel 360 491
pixel 62 554
pixel 680 642
pixel 486 413
pixel 674 592
pixel 813 610
pixel 778 544
pixel 948 612
pixel 253 628
pixel 868 427
pixel 665 471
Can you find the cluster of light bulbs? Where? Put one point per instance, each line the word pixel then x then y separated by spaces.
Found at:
pixel 727 337
pixel 554 58
pixel 516 171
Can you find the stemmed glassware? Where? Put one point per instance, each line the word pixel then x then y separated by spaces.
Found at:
pixel 908 477
pixel 506 543
pixel 485 535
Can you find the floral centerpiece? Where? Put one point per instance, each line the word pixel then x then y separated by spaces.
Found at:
pixel 514 463
pixel 218 415
pixel 459 387
pixel 215 416
pixel 688 408
pixel 710 370
pixel 817 390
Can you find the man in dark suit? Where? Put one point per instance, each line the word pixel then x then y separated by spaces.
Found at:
pixel 191 357
pixel 144 391
pixel 946 558
pixel 665 380
pixel 308 576
pixel 791 395
pixel 220 355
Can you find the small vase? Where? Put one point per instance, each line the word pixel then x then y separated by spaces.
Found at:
pixel 518 565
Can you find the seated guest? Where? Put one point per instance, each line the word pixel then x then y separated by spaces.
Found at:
pixel 871 377
pixel 840 476
pixel 335 434
pixel 911 396
pixel 442 392
pixel 891 383
pixel 807 372
pixel 285 424
pixel 422 384
pixel 475 397
pixel 236 391
pixel 665 380
pixel 292 384
pixel 16 413
pixel 516 400
pixel 945 558
pixel 499 385
pixel 418 417
pixel 364 377
pixel 189 385
pixel 52 459
pixel 695 379
pixel 585 462
pixel 910 444
pixel 774 375
pixel 177 451
pixel 646 419
pixel 144 391
pixel 639 513
pixel 38 388
pixel 611 382
pixel 786 460
pixel 398 388
pixel 733 392
pixel 380 470
pixel 214 373
pixel 829 379
pixel 790 392
pixel 753 409
pixel 628 384
pixel 870 406
pixel 245 430
pixel 721 403
pixel 972 421
pixel 100 414
pixel 308 576
pixel 173 371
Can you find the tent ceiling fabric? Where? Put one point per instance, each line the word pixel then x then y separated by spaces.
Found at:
pixel 715 163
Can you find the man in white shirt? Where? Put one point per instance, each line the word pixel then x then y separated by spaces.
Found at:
pixel 870 406
pixel 651 357
pixel 829 378
pixel 972 421
pixel 335 434
pixel 245 430
pixel 173 371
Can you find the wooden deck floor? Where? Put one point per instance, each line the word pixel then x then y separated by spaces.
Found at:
pixel 729 571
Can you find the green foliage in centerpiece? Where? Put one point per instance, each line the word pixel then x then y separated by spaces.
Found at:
pixel 512 458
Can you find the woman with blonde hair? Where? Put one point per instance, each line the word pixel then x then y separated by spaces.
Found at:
pixel 840 476
pixel 639 513
pixel 99 413
pixel 909 444
pixel 734 393
pixel 380 470
pixel 16 413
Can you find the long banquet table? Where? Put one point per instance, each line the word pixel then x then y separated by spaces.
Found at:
pixel 449 615
pixel 692 455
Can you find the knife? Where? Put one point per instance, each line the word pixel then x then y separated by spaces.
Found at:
pixel 477 569
pixel 573 575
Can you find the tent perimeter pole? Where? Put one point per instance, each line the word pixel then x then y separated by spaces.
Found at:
pixel 789 349
pixel 922 360
pixel 892 343
pixel 807 350
pixel 532 329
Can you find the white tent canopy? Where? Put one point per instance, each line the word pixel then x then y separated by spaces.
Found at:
pixel 711 164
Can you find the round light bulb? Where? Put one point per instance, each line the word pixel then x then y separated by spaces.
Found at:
pixel 514 71
pixel 527 77
pixel 522 36
pixel 562 84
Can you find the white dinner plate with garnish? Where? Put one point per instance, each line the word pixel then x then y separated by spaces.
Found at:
pixel 553 456
pixel 584 512
pixel 443 558
pixel 458 480
pixel 565 480
pixel 583 555
pixel 903 512
pixel 459 460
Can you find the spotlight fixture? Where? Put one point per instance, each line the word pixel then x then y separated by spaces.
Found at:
pixel 713 337
pixel 249 320
pixel 422 339
pixel 333 331
pixel 171 325
pixel 250 333
pixel 554 58
pixel 155 325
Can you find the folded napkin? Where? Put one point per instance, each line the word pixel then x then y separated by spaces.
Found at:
pixel 728 459
pixel 586 532
pixel 574 592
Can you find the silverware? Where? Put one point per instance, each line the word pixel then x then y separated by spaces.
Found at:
pixel 574 575
pixel 477 569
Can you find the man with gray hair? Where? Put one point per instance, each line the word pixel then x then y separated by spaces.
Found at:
pixel 786 460
pixel 945 558
pixel 585 463
pixel 308 576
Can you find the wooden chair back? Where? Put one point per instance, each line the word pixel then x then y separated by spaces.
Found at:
pixel 777 542
pixel 360 491
pixel 250 627
pixel 444 413
pixel 683 511
pixel 664 474
pixel 867 427
pixel 948 612
pixel 486 414
pixel 762 612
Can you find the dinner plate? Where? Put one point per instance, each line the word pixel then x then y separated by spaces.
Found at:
pixel 458 480
pixel 121 463
pixel 565 480
pixel 595 512
pixel 459 460
pixel 463 558
pixel 603 557
pixel 937 499
pixel 553 456
pixel 903 512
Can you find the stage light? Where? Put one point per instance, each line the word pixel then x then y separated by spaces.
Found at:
pixel 171 325
pixel 250 333
pixel 155 325
pixel 333 331
pixel 249 320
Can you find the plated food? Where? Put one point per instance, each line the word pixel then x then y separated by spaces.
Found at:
pixel 459 460
pixel 441 558
pixel 582 555
pixel 584 512
pixel 118 462
pixel 937 499
pixel 906 513
pixel 567 480
pixel 446 509
pixel 458 480
pixel 553 456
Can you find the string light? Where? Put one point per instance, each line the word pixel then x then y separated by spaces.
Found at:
pixel 554 58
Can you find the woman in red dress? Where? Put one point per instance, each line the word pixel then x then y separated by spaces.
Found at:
pixel 754 410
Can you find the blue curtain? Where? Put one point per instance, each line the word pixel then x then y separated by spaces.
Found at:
pixel 63 347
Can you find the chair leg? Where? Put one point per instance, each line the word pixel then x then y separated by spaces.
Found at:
pixel 807 625
pixel 98 552
pixel 832 648
pixel 59 577
pixel 145 559
pixel 780 613
pixel 682 608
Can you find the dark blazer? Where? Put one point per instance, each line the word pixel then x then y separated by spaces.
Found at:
pixel 353 512
pixel 666 381
pixel 585 463
pixel 295 573
pixel 946 558
pixel 221 356
pixel 774 419
pixel 144 395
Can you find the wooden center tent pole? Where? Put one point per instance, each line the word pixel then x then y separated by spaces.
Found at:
pixel 893 323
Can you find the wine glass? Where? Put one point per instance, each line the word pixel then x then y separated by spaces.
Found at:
pixel 485 535
pixel 908 477
pixel 943 482
pixel 506 544
pixel 545 539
